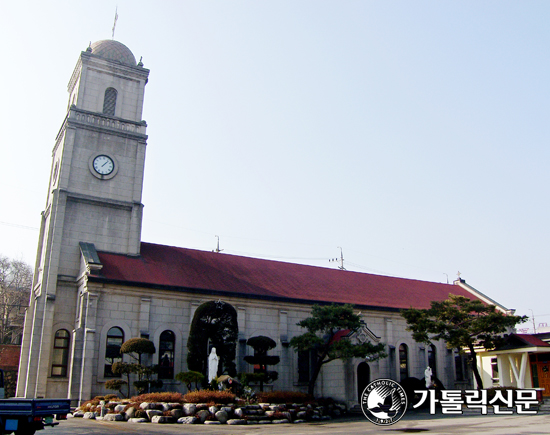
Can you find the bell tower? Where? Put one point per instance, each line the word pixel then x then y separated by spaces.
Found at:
pixel 94 196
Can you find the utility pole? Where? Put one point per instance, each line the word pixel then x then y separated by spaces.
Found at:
pixel 533 319
pixel 341 259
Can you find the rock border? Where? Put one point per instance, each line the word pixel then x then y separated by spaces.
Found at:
pixel 202 413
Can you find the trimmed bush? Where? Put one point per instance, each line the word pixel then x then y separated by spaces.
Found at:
pixel 114 384
pixel 92 402
pixel 170 397
pixel 189 377
pixel 209 396
pixel 283 397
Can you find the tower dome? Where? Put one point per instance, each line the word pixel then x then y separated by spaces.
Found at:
pixel 113 50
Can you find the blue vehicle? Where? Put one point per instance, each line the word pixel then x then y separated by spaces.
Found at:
pixel 26 416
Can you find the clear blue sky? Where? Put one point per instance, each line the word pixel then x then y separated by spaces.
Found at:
pixel 413 134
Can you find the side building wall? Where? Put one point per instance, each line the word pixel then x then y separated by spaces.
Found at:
pixel 149 312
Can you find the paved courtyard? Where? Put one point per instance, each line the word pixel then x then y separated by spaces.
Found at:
pixel 411 423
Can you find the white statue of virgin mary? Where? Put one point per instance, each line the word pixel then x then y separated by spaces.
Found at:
pixel 428 377
pixel 213 361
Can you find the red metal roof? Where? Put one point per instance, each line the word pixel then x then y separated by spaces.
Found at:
pixel 186 269
pixel 339 335
pixel 532 340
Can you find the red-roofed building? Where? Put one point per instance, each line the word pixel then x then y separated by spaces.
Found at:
pixel 97 284
pixel 523 361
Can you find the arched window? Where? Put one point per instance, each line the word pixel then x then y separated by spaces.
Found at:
pixel 432 360
pixel 109 101
pixel 403 362
pixel 167 343
pixel 115 338
pixel 60 356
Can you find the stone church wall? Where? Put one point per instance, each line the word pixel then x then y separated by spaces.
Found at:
pixel 139 311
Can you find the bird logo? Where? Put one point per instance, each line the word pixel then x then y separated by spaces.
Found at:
pixel 384 402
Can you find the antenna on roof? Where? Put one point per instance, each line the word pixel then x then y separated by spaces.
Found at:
pixel 217 250
pixel 533 319
pixel 341 259
pixel 114 24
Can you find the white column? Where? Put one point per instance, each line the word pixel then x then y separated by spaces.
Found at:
pixel 89 348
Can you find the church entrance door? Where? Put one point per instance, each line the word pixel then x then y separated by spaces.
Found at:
pixel 363 378
pixel 543 374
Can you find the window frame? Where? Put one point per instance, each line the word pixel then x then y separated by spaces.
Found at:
pixel 109 101
pixel 63 350
pixel 167 372
pixel 403 352
pixel 432 359
pixel 107 369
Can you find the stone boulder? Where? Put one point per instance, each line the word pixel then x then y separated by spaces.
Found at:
pixel 189 409
pixel 236 421
pixel 113 417
pixel 301 415
pixel 188 420
pixel 162 419
pixel 222 416
pixel 138 420
pixel 130 412
pixel 152 413
pixel 202 415
pixel 177 413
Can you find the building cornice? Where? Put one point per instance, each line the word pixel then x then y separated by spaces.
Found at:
pixel 104 124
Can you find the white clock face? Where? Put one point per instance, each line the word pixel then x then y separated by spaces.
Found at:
pixel 104 165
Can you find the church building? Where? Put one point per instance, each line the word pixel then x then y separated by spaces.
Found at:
pixel 96 284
